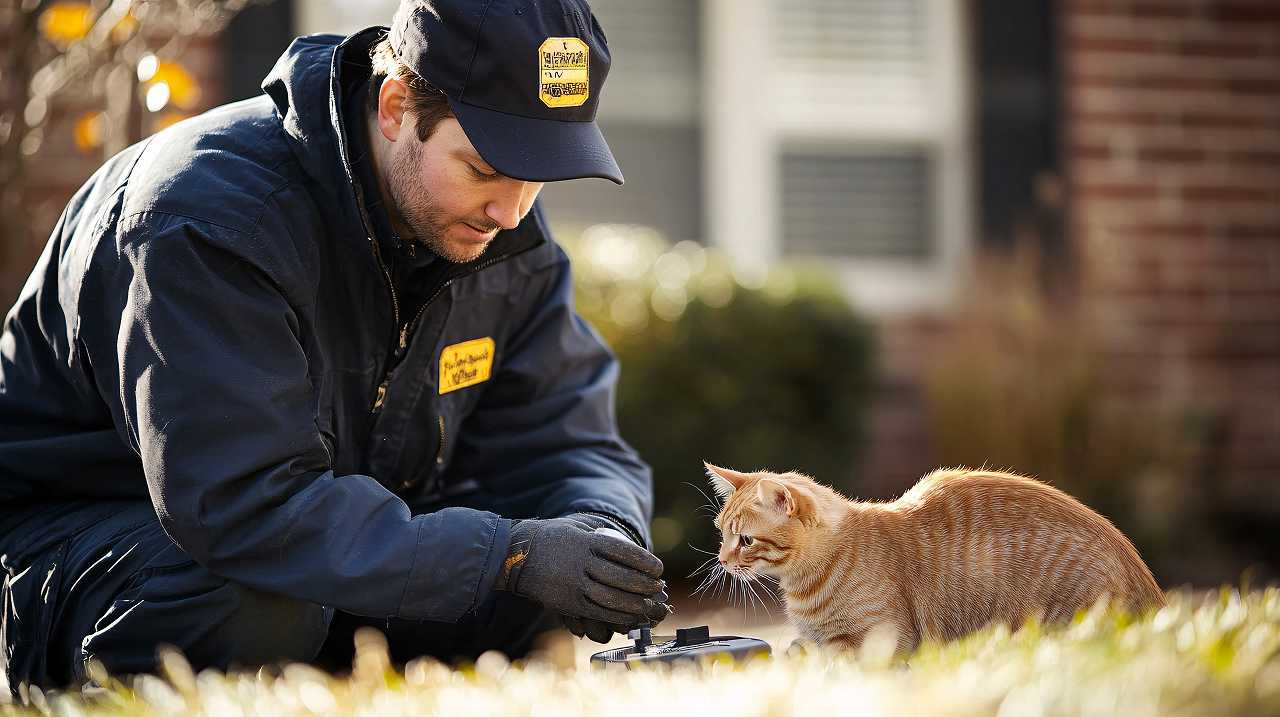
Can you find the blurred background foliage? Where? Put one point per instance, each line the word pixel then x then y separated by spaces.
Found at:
pixel 744 368
pixel 1018 382
pixel 87 78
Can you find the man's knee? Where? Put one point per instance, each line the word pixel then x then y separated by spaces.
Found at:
pixel 213 621
pixel 510 624
pixel 517 625
pixel 268 627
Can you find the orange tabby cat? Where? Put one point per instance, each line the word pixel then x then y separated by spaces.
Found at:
pixel 961 549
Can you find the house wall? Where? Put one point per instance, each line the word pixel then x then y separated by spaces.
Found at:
pixel 1171 134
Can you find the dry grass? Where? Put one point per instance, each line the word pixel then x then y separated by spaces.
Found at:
pixel 1205 654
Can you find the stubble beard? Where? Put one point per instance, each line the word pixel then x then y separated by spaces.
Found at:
pixel 419 210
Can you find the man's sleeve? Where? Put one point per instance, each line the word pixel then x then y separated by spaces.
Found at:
pixel 215 394
pixel 546 427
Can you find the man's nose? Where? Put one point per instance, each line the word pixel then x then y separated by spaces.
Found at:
pixel 504 210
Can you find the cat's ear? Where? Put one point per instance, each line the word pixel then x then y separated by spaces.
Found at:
pixel 775 496
pixel 794 503
pixel 723 480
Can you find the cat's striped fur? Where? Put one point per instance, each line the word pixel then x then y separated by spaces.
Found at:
pixel 961 549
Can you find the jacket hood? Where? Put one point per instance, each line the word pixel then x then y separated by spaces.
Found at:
pixel 307 85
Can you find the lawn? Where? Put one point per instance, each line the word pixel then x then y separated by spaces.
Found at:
pixel 1205 654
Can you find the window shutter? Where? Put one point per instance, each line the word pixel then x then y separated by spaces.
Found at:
pixel 850 53
pixel 839 205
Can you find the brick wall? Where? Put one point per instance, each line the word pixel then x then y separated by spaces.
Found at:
pixel 1171 134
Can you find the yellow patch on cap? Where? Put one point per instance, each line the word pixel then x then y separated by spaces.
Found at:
pixel 563 69
pixel 465 364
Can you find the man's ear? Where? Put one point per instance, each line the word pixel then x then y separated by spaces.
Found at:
pixel 723 480
pixel 794 503
pixel 391 99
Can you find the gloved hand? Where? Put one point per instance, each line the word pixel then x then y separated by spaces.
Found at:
pixel 596 521
pixel 596 630
pixel 583 574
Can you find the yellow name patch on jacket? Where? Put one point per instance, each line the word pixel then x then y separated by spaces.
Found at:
pixel 465 364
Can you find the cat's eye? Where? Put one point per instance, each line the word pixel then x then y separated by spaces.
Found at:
pixel 747 540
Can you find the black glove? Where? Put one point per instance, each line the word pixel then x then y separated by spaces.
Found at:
pixel 596 630
pixel 583 574
pixel 601 632
pixel 594 521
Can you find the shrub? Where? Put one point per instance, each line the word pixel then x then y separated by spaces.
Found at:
pixel 767 369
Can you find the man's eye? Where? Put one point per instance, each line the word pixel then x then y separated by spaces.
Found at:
pixel 747 540
pixel 480 174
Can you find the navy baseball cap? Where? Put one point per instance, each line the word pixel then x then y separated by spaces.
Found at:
pixel 523 77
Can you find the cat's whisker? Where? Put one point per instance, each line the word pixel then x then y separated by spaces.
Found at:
pixel 710 501
pixel 711 579
pixel 744 589
pixel 721 577
pixel 746 577
pixel 700 550
pixel 756 578
pixel 702 584
pixel 745 586
pixel 706 565
pixel 718 587
pixel 703 565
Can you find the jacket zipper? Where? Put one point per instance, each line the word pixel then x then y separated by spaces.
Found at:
pixel 407 329
pixel 440 446
pixel 395 317
pixel 433 475
pixel 378 255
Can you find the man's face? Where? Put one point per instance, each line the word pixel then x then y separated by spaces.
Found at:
pixel 447 196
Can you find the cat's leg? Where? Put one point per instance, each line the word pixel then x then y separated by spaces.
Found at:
pixel 891 627
pixel 801 646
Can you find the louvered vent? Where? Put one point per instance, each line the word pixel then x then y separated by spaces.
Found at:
pixel 855 205
pixel 850 53
pixel 654 69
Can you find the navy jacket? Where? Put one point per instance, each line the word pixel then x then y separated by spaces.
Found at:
pixel 212 325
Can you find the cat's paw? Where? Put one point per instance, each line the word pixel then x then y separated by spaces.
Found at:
pixel 801 646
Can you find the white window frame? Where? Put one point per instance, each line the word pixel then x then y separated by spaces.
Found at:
pixel 744 138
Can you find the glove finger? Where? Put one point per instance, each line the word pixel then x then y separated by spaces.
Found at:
pixel 617 576
pixel 626 553
pixel 658 612
pixel 576 626
pixel 600 632
pixel 593 609
pixel 640 608
pixel 615 599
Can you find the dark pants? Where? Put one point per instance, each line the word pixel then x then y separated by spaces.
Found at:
pixel 102 580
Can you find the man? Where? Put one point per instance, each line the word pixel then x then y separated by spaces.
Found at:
pixel 309 361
